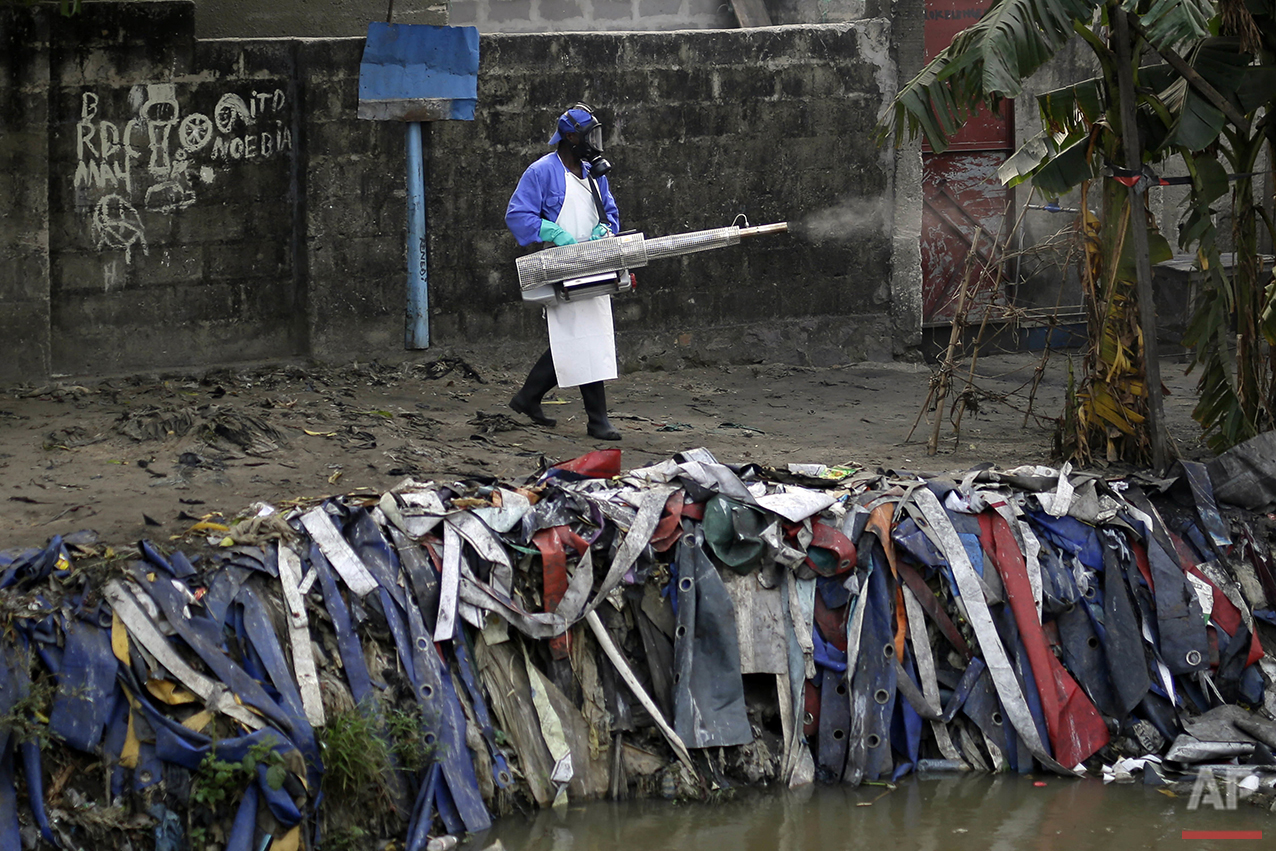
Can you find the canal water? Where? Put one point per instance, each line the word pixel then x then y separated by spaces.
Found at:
pixel 982 812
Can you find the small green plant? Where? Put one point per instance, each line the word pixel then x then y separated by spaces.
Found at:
pixel 355 755
pixel 362 749
pixel 346 837
pixel 412 747
pixel 23 720
pixel 218 781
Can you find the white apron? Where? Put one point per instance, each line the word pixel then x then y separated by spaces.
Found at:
pixel 582 338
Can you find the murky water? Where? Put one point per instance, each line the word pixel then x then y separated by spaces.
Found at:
pixel 977 812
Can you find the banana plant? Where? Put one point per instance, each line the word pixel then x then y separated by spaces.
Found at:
pixel 1233 329
pixel 1184 107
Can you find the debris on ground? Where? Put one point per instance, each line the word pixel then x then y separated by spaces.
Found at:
pixel 408 665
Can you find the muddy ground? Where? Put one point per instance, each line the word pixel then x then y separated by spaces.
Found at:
pixel 148 456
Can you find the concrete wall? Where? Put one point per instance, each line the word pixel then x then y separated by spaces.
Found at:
pixel 548 16
pixel 306 18
pixel 173 202
pixel 775 124
pixel 24 197
pixel 541 16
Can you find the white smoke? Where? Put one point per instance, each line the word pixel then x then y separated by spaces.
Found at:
pixel 847 220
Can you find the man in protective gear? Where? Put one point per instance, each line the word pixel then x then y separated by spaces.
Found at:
pixel 561 199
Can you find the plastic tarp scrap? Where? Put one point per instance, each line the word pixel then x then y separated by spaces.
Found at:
pixel 666 630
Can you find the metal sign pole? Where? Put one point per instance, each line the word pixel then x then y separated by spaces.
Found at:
pixel 417 318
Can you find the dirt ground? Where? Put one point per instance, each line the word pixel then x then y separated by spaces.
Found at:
pixel 148 456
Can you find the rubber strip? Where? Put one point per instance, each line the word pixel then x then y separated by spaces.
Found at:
pixel 1013 642
pixel 303 659
pixel 1180 633
pixel 733 533
pixel 831 623
pixel 488 547
pixel 447 811
pixel 423 811
pixel 906 725
pixel 1121 637
pixel 962 691
pixel 1071 536
pixel 323 531
pixel 373 550
pixel 204 636
pixel 422 572
pixel 10 835
pixel 150 768
pixel 244 827
pixel 83 704
pixel 113 741
pixel 450 584
pixel 465 668
pixel 145 632
pixel 879 523
pixel 352 660
pixel 1085 657
pixel 35 566
pixel 150 554
pixel 923 655
pixel 222 590
pixel 830 553
pixel 261 635
pixel 45 636
pixel 1003 678
pixel 553 579
pixel 34 772
pixel 669 528
pixel 931 606
pixel 709 708
pixel 441 710
pixel 278 801
pixel 873 684
pixel 1075 727
pixel 833 716
pixel 1232 664
pixel 650 505
pixel 1198 479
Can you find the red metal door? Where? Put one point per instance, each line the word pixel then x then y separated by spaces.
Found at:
pixel 961 195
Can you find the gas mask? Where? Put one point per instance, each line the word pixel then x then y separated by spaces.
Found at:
pixel 589 148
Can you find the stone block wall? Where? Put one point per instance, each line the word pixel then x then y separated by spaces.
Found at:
pixel 175 203
pixel 24 200
pixel 170 194
pixel 772 124
pixel 550 16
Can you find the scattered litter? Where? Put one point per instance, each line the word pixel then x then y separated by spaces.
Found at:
pixel 742 427
pixel 493 423
pixel 440 367
pixel 404 666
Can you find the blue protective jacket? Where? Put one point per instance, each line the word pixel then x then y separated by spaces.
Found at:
pixel 539 195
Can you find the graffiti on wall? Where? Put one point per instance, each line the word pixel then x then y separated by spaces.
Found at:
pixel 152 160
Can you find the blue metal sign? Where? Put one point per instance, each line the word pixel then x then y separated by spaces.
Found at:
pixel 413 72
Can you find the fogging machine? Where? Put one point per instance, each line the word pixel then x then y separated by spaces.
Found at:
pixel 600 267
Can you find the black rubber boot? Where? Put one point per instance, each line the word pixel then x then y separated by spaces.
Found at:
pixel 539 381
pixel 595 398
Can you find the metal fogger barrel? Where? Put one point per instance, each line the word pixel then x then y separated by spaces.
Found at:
pixel 600 266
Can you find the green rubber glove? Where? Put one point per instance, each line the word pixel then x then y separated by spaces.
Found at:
pixel 551 232
pixel 600 230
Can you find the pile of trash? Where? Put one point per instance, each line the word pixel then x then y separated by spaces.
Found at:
pixel 406 666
